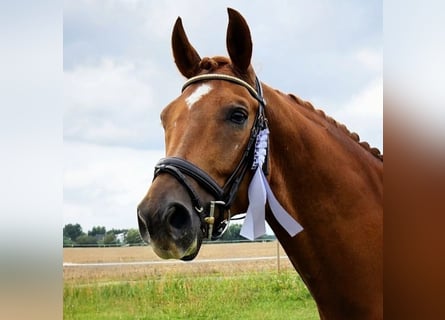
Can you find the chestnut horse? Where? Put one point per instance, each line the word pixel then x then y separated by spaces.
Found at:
pixel 324 177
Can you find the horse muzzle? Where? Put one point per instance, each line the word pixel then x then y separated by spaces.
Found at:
pixel 171 228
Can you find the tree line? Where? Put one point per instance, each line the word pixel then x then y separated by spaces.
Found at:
pixel 73 235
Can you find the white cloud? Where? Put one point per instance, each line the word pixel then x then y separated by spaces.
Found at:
pixel 103 185
pixel 371 59
pixel 111 103
pixel 367 102
pixel 363 113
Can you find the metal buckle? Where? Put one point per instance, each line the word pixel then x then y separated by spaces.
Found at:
pixel 210 220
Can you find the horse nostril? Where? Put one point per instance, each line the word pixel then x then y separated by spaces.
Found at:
pixel 178 217
pixel 143 228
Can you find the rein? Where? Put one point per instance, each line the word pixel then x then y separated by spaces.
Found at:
pixel 180 168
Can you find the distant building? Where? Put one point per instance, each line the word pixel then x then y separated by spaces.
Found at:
pixel 120 237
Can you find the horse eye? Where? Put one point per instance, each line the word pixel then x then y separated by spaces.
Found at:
pixel 238 116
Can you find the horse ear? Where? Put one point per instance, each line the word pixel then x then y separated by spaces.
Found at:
pixel 186 58
pixel 239 41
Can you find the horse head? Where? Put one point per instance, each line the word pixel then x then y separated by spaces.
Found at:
pixel 209 133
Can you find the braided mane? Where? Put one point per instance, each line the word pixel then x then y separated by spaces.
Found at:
pixel 354 136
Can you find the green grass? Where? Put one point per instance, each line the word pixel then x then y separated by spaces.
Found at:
pixel 264 295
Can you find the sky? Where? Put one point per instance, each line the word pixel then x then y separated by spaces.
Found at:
pixel 118 74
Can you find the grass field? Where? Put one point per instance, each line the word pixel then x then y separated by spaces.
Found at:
pixel 207 290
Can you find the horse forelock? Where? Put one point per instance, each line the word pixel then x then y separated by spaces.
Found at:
pixel 353 135
pixel 221 64
pixel 212 64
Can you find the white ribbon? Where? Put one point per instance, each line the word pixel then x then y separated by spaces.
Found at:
pixel 259 192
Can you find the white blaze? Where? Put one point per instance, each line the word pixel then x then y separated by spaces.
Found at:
pixel 196 95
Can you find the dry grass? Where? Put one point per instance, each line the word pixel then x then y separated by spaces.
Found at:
pixel 138 272
pixel 208 251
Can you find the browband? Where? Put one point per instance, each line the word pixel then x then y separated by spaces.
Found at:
pixel 219 76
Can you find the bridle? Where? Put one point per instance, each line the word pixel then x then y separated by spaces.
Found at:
pixel 180 168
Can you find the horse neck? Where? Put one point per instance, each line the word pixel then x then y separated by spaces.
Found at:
pixel 333 188
pixel 314 149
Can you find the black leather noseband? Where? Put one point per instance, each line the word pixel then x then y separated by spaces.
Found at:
pixel 177 167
